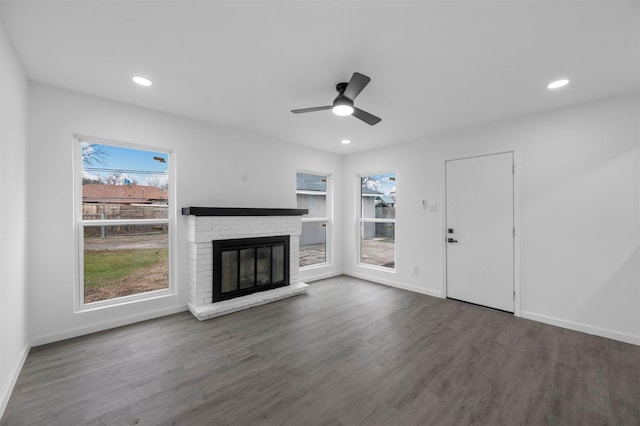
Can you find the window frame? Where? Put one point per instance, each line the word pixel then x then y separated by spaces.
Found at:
pixel 80 224
pixel 360 221
pixel 327 219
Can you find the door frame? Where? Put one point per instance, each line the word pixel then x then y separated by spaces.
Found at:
pixel 516 219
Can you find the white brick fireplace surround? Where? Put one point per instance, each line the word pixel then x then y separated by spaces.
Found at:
pixel 206 224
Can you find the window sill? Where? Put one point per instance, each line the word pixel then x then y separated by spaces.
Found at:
pixel 315 266
pixel 125 300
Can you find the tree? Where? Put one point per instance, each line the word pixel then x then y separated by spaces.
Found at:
pixel 118 178
pixel 94 154
pixel 157 182
pixel 87 180
pixel 368 182
pixel 383 183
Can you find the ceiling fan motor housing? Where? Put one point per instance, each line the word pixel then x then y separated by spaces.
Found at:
pixel 342 100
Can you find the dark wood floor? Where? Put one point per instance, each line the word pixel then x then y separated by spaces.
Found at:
pixel 349 352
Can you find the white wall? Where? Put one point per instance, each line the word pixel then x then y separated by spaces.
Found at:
pixel 14 339
pixel 577 178
pixel 577 181
pixel 209 160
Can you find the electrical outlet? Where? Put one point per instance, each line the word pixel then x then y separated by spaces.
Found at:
pixel 416 270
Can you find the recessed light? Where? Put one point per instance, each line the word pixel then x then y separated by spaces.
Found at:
pixel 346 141
pixel 558 84
pixel 142 81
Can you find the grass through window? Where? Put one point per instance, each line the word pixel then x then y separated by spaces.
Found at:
pixel 116 273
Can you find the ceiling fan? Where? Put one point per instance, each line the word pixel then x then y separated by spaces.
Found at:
pixel 343 103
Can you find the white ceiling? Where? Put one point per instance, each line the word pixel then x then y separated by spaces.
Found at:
pixel 434 66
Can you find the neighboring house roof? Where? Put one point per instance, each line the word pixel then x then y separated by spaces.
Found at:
pixel 309 182
pixel 129 194
pixel 369 191
pixel 387 199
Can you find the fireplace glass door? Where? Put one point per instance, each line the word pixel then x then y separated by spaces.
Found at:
pixel 229 271
pixel 247 268
pixel 248 265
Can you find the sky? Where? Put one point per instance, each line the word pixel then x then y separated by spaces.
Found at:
pixel 146 168
pixel 134 165
pixel 384 182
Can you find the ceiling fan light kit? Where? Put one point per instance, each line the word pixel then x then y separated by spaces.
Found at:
pixel 342 110
pixel 343 103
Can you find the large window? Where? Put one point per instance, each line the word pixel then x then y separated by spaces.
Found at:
pixel 378 220
pixel 312 193
pixel 124 222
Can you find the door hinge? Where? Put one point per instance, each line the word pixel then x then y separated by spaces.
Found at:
pixel 513 169
pixel 514 296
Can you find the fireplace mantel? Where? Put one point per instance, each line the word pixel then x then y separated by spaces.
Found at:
pixel 241 211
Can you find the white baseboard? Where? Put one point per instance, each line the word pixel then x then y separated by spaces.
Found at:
pixel 320 276
pixel 6 393
pixel 584 328
pixel 571 325
pixel 93 328
pixel 395 284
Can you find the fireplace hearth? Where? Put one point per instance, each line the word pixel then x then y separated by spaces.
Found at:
pixel 243 266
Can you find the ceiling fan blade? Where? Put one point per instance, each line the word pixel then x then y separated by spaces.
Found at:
pixel 298 111
pixel 355 86
pixel 366 117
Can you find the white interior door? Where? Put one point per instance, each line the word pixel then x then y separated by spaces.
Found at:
pixel 480 230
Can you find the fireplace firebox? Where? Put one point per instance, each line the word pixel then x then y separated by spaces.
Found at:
pixel 249 265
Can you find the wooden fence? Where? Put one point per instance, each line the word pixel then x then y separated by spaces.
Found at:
pixel 99 211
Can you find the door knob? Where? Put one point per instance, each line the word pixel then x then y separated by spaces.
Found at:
pixel 451 240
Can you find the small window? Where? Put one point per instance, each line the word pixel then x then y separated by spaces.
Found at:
pixel 378 220
pixel 312 194
pixel 124 222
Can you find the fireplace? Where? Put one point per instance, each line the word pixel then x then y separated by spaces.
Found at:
pixel 248 265
pixel 245 238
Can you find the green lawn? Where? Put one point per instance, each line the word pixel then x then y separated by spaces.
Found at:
pixel 103 267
